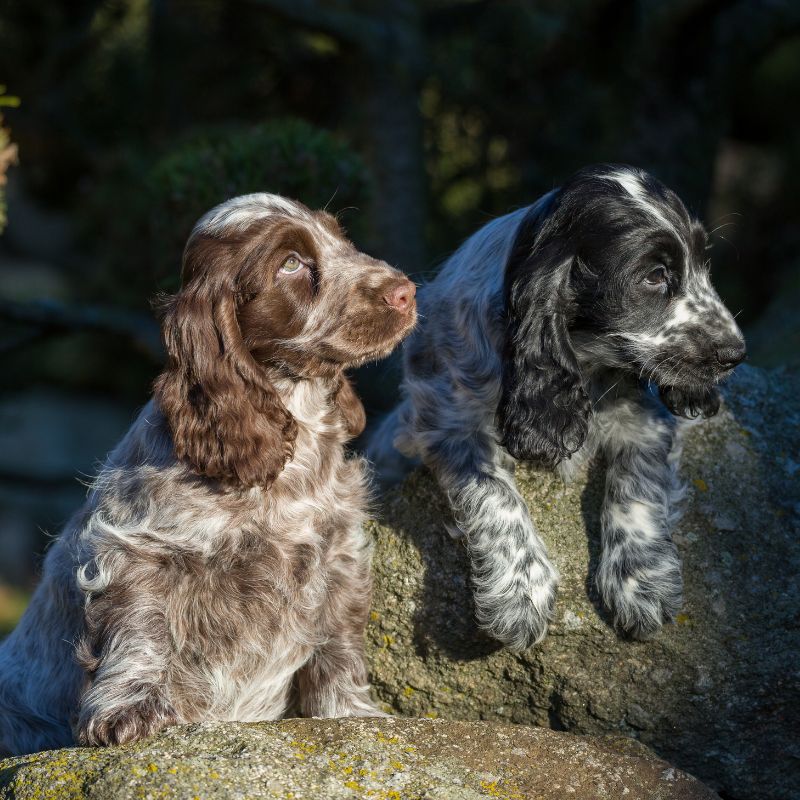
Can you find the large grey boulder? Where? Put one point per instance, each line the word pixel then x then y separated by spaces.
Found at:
pixel 375 759
pixel 718 693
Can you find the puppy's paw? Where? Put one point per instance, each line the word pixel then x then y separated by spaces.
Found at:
pixel 121 725
pixel 356 704
pixel 367 710
pixel 641 599
pixel 516 609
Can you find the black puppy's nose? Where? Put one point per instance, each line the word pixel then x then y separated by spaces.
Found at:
pixel 729 357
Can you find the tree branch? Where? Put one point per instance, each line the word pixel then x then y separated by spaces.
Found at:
pixel 51 317
pixel 365 32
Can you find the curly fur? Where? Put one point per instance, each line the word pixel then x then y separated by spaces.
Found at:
pixel 565 331
pixel 218 570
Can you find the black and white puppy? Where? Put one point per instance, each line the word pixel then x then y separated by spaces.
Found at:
pixel 576 327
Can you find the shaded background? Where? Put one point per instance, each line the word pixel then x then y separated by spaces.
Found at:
pixel 418 120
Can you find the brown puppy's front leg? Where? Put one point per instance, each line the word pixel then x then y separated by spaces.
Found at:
pixel 124 652
pixel 334 681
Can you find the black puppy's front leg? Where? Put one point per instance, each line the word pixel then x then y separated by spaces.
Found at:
pixel 513 580
pixel 639 575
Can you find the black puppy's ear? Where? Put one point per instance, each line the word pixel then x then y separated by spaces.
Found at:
pixel 690 404
pixel 544 409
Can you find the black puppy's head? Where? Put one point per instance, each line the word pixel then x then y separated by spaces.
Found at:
pixel 610 270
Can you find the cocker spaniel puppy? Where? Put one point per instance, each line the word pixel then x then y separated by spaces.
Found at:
pixel 580 325
pixel 219 562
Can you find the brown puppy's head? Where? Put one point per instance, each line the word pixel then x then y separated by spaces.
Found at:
pixel 270 289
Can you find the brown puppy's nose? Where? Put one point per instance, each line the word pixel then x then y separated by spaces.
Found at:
pixel 401 296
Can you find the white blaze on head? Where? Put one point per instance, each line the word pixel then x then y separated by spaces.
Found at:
pixel 633 186
pixel 239 212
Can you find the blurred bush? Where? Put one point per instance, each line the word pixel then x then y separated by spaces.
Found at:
pixel 143 210
pixel 8 152
pixel 12 603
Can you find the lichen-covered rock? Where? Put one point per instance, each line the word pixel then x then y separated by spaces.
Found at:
pixel 378 759
pixel 718 693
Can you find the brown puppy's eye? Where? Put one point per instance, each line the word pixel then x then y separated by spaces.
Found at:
pixel 291 265
pixel 657 277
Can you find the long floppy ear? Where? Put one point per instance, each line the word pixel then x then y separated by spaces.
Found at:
pixel 689 404
pixel 226 418
pixel 350 407
pixel 544 408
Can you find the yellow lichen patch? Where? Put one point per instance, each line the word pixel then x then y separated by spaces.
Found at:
pixel 353 785
pixel 396 765
pixel 306 747
pixel 57 776
pixel 387 640
pixel 683 619
pixel 387 739
pixel 152 767
pixel 700 484
pixel 432 714
pixel 504 791
pixel 408 691
pixel 374 616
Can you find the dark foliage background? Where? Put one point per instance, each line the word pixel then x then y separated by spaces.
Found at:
pixel 417 119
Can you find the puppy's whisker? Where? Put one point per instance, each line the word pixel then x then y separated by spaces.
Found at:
pixel 720 227
pixel 613 386
pixel 325 207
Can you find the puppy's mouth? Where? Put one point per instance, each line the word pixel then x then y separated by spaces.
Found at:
pixel 405 323
pixel 688 374
pixel 360 340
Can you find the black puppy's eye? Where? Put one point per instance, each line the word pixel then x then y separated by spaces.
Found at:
pixel 657 277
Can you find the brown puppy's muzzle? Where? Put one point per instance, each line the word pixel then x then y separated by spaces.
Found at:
pixel 387 314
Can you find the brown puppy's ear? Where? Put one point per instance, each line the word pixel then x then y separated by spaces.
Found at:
pixel 351 408
pixel 226 418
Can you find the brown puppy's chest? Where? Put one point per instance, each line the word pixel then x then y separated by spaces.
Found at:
pixel 220 599
pixel 243 620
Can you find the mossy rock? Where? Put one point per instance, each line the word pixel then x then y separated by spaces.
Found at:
pixel 373 759
pixel 717 693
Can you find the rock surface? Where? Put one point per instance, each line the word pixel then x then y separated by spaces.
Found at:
pixel 380 759
pixel 717 694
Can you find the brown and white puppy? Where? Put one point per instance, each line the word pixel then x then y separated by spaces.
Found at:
pixel 219 563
